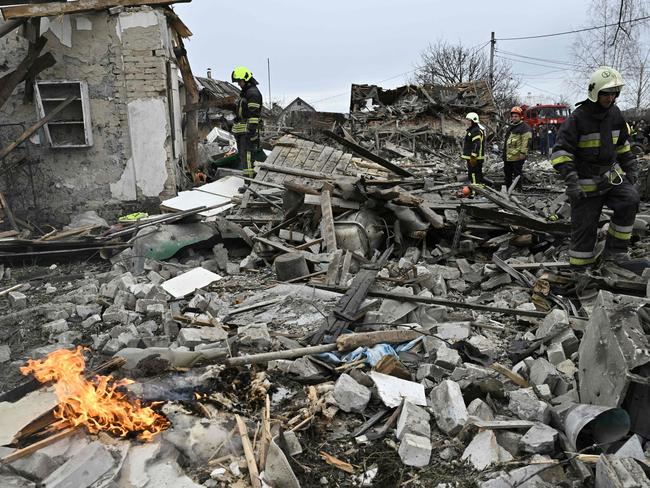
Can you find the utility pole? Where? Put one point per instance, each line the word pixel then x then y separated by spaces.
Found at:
pixel 493 46
pixel 268 73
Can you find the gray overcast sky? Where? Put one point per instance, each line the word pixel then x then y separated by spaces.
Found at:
pixel 317 49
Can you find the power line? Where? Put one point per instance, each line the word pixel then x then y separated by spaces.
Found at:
pixel 542 89
pixel 534 64
pixel 638 19
pixel 567 63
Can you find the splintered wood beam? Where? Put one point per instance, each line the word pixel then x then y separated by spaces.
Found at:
pixel 58 8
pixel 365 153
pixel 9 81
pixel 29 132
pixel 191 132
pixel 327 223
pixel 26 451
pixel 248 453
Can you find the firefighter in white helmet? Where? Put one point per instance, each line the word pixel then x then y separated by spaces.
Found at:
pixel 593 155
pixel 474 149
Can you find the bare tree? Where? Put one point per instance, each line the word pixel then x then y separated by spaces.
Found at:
pixel 623 46
pixel 443 63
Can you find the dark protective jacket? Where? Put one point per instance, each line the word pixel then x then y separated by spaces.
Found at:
pixel 249 109
pixel 474 143
pixel 594 143
pixel 517 142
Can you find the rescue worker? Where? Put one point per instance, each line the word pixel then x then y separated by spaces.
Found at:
pixel 516 147
pixel 593 155
pixel 474 149
pixel 247 118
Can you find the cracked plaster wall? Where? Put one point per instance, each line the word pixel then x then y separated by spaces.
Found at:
pixel 125 58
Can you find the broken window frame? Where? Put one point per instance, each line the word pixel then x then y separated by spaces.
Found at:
pixel 85 112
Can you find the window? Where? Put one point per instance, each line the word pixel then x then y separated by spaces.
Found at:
pixel 71 127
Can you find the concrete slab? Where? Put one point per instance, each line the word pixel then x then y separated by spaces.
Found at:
pixel 188 282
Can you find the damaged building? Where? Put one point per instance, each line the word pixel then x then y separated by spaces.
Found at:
pixel 120 140
pixel 355 314
pixel 410 120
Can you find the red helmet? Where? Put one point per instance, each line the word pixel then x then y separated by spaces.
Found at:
pixel 517 110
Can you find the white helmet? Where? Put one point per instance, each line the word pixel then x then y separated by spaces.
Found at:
pixel 604 79
pixel 473 116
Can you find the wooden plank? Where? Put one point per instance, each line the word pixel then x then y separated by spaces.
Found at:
pixel 313 199
pixel 9 81
pixel 323 158
pixel 248 453
pixel 342 163
pixel 327 222
pixel 501 424
pixel 8 212
pixel 26 451
pixel 365 153
pixel 191 132
pixel 332 277
pixel 332 162
pixel 348 307
pixel 30 131
pixel 345 269
pixel 312 157
pixel 293 171
pixel 58 8
pixel 511 375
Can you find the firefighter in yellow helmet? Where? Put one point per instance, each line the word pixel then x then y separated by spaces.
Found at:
pixel 593 155
pixel 246 128
pixel 474 149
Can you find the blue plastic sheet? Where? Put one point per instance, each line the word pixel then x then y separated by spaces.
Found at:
pixel 372 355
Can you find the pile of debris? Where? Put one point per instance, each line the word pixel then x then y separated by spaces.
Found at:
pixel 345 321
pixel 416 122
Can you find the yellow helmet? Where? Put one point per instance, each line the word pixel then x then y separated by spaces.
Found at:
pixel 241 73
pixel 604 79
pixel 473 116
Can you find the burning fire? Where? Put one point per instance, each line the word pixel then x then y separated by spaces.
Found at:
pixel 96 404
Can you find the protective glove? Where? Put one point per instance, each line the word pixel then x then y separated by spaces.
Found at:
pixel 573 190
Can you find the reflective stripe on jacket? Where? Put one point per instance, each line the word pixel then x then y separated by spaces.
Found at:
pixel 590 143
pixel 517 142
pixel 249 109
pixel 474 143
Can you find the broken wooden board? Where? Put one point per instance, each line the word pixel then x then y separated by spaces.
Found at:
pixel 186 283
pixel 15 416
pixel 508 219
pixel 362 151
pixel 348 308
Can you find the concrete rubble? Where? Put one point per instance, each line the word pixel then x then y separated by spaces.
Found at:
pixel 352 317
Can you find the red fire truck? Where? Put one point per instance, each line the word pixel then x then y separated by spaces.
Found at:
pixel 537 115
pixel 545 120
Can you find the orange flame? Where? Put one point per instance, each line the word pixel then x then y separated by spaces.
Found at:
pixel 96 404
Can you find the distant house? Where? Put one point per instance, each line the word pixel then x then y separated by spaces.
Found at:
pixel 298 105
